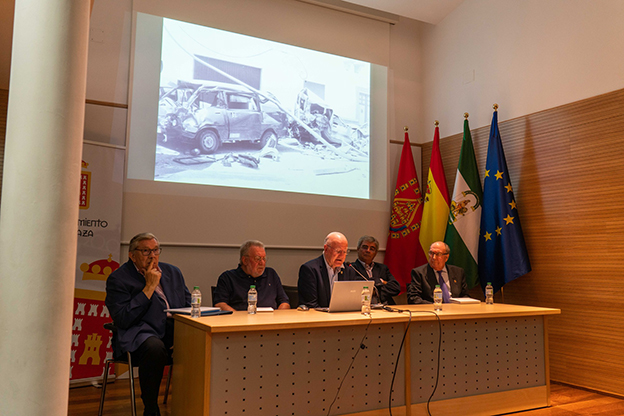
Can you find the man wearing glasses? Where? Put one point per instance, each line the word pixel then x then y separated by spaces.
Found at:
pixel 233 285
pixel 137 293
pixel 452 279
pixel 317 276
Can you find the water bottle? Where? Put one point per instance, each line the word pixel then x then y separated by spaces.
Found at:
pixel 366 300
pixel 195 302
pixel 437 298
pixel 489 294
pixel 252 300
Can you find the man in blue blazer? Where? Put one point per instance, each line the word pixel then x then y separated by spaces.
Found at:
pixel 137 293
pixel 316 277
pixel 437 272
pixel 386 286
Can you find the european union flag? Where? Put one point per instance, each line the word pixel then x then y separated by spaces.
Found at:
pixel 502 253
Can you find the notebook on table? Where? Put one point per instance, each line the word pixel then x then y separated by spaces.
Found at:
pixel 346 296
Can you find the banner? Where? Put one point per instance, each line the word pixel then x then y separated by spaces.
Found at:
pixel 403 252
pixel 503 255
pixel 99 242
pixel 462 232
pixel 437 200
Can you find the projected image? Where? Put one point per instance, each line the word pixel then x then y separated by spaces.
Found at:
pixel 246 112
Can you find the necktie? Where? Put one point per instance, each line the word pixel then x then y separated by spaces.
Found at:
pixel 333 278
pixel 446 297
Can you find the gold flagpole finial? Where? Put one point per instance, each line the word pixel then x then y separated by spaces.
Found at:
pixel 466 116
pixel 405 128
pixel 495 107
pixel 436 123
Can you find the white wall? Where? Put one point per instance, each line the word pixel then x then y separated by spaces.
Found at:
pixel 527 56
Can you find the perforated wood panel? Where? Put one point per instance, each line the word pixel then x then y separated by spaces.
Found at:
pixel 477 357
pixel 297 372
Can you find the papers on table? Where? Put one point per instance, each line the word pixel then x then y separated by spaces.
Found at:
pixel 264 309
pixel 205 310
pixel 465 301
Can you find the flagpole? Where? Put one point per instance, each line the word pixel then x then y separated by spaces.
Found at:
pixel 466 115
pixel 495 107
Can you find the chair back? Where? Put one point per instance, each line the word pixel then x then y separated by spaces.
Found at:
pixel 118 355
pixel 293 295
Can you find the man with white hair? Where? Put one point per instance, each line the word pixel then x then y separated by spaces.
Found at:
pixel 317 276
pixel 233 285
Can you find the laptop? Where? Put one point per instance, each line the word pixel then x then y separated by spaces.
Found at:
pixel 346 296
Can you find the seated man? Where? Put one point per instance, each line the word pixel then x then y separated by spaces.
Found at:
pixel 233 285
pixel 137 293
pixel 386 286
pixel 437 272
pixel 317 276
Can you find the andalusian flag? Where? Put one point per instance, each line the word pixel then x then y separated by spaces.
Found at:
pixel 503 255
pixel 462 232
pixel 437 201
pixel 403 252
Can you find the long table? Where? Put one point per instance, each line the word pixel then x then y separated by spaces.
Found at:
pixel 493 359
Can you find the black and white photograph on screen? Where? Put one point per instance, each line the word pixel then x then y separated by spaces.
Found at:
pixel 240 111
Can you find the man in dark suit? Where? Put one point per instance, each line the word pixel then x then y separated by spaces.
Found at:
pixel 317 276
pixel 386 286
pixel 137 293
pixel 452 279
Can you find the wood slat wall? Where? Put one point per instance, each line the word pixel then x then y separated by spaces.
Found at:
pixel 567 170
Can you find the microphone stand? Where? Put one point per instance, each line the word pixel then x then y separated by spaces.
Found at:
pixel 376 305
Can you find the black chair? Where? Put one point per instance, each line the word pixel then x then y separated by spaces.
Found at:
pixel 293 295
pixel 124 358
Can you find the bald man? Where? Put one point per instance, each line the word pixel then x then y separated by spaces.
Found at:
pixel 317 276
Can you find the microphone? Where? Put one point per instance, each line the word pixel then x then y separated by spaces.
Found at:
pixel 376 305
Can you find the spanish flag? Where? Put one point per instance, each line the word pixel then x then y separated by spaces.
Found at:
pixel 436 199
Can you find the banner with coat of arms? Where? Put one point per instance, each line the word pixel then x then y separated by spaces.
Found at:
pixel 99 242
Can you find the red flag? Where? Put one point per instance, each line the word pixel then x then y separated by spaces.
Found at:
pixel 403 250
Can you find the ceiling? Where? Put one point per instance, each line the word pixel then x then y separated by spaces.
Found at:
pixel 428 11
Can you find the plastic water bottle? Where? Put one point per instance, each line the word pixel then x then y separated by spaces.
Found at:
pixel 437 298
pixel 489 294
pixel 366 300
pixel 252 300
pixel 195 302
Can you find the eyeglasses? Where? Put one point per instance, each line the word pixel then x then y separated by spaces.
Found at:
pixel 146 251
pixel 340 252
pixel 437 253
pixel 257 259
pixel 366 247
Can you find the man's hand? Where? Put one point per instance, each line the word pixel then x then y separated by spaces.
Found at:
pixel 152 278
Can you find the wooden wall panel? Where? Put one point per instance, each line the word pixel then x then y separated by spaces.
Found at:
pixel 567 170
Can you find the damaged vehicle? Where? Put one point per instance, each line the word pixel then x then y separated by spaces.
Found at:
pixel 212 113
pixel 321 118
